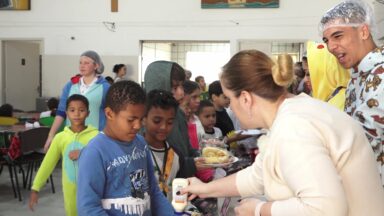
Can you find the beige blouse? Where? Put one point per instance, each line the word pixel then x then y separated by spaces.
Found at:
pixel 317 161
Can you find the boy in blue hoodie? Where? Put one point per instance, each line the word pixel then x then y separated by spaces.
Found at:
pixel 116 175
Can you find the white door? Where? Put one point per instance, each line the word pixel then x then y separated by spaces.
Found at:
pixel 22 73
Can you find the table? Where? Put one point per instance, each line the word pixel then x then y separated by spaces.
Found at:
pixel 27 116
pixel 13 128
pixel 226 205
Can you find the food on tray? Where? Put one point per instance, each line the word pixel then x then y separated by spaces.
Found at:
pixel 214 142
pixel 213 155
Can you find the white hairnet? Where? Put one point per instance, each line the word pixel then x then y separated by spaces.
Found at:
pixel 96 58
pixel 348 13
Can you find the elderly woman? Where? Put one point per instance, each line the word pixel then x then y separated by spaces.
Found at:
pixel 89 83
pixel 317 160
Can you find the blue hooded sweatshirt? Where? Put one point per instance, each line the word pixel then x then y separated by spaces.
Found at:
pixel 117 178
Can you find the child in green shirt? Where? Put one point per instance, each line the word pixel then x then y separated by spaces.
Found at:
pixel 66 145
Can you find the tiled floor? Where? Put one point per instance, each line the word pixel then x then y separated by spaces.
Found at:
pixel 49 203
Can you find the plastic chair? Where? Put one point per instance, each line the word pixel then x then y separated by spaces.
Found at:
pixel 31 145
pixel 5 140
pixel 7 121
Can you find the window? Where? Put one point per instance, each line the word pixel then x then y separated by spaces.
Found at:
pixel 293 49
pixel 203 58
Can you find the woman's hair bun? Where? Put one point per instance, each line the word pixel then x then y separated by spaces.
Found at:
pixel 282 70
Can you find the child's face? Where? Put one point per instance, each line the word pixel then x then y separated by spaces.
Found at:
pixel 87 66
pixel 194 100
pixel 207 117
pixel 177 90
pixel 77 112
pixel 184 105
pixel 124 125
pixel 158 124
pixel 221 101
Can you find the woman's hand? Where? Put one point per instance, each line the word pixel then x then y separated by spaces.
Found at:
pixel 200 164
pixel 48 143
pixel 74 154
pixel 196 188
pixel 33 198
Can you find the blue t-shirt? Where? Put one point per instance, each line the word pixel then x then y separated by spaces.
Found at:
pixel 117 178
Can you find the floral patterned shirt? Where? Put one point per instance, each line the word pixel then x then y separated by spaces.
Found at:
pixel 365 100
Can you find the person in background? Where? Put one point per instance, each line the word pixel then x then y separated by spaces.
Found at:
pixel 6 110
pixel 313 165
pixel 328 78
pixel 220 102
pixel 66 145
pixel 206 206
pixel 185 107
pixel 347 30
pixel 192 98
pixel 52 105
pixel 120 70
pixel 298 80
pixel 188 75
pixel 158 122
pixel 116 175
pixel 203 87
pixel 207 115
pixel 7 119
pixel 170 76
pixel 110 80
pixel 88 83
pixel 307 87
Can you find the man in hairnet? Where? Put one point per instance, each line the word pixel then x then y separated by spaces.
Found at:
pixel 347 30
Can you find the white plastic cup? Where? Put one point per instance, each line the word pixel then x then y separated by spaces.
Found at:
pixel 219 173
pixel 28 125
pixel 36 124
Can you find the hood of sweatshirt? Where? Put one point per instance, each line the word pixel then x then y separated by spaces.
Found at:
pixel 158 76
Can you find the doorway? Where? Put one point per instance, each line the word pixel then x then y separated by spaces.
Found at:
pixel 21 73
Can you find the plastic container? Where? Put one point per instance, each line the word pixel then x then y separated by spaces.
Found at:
pixel 219 173
pixel 179 202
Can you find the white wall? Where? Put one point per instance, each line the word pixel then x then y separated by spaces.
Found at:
pixel 379 16
pixel 56 21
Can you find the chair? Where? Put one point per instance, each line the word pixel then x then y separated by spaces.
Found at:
pixel 31 145
pixel 5 141
pixel 7 121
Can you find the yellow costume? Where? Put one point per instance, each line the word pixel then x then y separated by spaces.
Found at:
pixel 328 78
